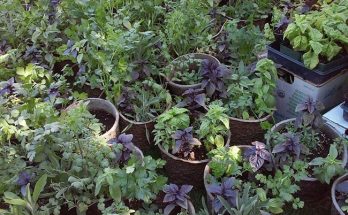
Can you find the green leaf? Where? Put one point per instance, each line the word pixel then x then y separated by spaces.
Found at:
pixel 115 192
pixel 219 141
pixel 245 115
pixel 127 24
pixel 333 152
pixel 79 58
pixel 316 162
pixel 310 59
pixel 316 46
pixel 19 202
pixel 300 43
pixel 225 121
pixel 39 187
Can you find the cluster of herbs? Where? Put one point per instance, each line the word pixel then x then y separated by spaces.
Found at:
pixel 275 168
pixel 319 34
pixel 143 101
pixel 240 43
pixel 250 92
pixel 176 133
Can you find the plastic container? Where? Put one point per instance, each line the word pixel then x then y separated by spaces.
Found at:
pixel 319 75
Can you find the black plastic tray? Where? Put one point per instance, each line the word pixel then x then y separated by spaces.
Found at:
pixel 317 76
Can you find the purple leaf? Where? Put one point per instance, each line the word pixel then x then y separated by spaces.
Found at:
pixel 168 209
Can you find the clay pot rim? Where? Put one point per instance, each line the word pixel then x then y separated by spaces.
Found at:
pixel 325 127
pixel 188 161
pixel 169 80
pixel 333 193
pixel 267 117
pixel 114 109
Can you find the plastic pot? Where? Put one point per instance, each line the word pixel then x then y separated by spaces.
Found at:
pixel 181 171
pixel 336 209
pixel 244 132
pixel 311 188
pixel 97 104
pixel 179 89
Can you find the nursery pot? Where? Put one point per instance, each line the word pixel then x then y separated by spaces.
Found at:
pixel 142 131
pixel 97 104
pixel 178 89
pixel 336 209
pixel 244 132
pixel 210 197
pixel 181 171
pixel 311 189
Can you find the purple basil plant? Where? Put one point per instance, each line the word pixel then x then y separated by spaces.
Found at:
pixel 291 146
pixel 141 70
pixel 257 155
pixel 128 147
pixel 176 196
pixel 214 75
pixel 8 88
pixel 193 99
pixel 309 113
pixel 224 189
pixel 184 141
pixel 24 178
pixel 125 102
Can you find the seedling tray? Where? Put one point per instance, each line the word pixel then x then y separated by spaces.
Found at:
pixel 319 75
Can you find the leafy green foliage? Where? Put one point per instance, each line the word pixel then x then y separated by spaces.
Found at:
pixel 214 127
pixel 225 162
pixel 143 101
pixel 28 204
pixel 251 95
pixel 319 33
pixel 244 43
pixel 169 122
pixel 187 27
pixel 327 168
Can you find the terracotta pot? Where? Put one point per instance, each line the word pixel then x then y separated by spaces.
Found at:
pixel 336 209
pixel 311 188
pixel 179 89
pixel 210 197
pixel 181 171
pixel 106 106
pixel 244 132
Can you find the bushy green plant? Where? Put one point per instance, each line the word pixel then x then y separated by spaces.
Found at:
pixel 319 33
pixel 214 127
pixel 251 94
pixel 187 27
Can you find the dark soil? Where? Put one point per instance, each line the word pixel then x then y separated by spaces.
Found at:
pixel 197 154
pixel 105 118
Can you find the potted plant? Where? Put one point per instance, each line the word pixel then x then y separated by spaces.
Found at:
pixel 139 105
pixel 184 143
pixel 177 197
pixel 339 193
pixel 105 112
pixel 289 169
pixel 248 107
pixel 235 44
pixel 308 129
pixel 319 40
pixel 185 72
